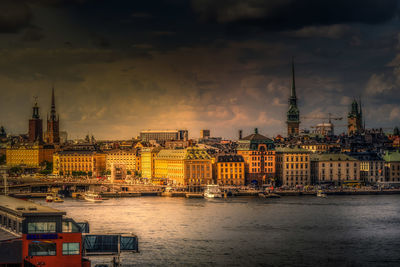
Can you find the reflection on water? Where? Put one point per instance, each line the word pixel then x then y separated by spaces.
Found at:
pixel 291 231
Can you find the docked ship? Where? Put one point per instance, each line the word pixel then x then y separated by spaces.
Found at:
pixel 212 191
pixel 93 197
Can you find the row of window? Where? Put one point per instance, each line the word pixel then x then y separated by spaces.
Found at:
pixel 270 170
pixel 296 159
pixel 232 170
pixel 41 248
pixel 297 165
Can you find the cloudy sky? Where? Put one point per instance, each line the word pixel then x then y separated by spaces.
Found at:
pixel 121 66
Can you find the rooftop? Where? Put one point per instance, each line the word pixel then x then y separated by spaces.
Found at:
pixel 23 208
pixel 332 157
pixel 392 156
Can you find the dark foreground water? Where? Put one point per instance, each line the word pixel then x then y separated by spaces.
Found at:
pixel 291 231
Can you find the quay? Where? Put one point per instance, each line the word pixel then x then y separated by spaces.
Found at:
pixel 35 235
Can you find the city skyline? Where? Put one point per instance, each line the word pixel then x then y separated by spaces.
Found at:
pixel 119 68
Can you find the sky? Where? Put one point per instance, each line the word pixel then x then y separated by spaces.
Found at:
pixel 120 66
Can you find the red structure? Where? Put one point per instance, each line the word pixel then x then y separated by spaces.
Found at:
pixel 35 125
pixel 43 236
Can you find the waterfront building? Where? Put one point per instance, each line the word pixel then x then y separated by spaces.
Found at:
pixel 335 168
pixel 53 123
pixel 29 155
pixel 35 125
pixel 198 167
pixel 38 236
pixel 392 166
pixel 354 119
pixel 293 166
pixel 122 157
pixel 258 153
pixel 79 162
pixel 293 114
pixel 229 170
pixel 372 167
pixel 190 167
pixel 163 135
pixel 170 166
pixel 147 161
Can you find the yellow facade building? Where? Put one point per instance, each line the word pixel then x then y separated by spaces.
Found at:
pixel 124 157
pixel 67 163
pixel 147 161
pixel 28 155
pixel 189 167
pixel 229 170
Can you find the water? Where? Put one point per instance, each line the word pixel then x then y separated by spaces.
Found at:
pixel 291 231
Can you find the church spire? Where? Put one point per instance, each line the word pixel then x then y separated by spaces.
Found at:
pixel 53 106
pixel 293 90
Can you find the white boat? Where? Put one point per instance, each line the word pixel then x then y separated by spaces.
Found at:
pixel 321 194
pixel 212 191
pixel 93 197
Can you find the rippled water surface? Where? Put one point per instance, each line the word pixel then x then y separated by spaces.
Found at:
pixel 291 231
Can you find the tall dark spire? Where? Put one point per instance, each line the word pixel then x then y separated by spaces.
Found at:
pixel 293 91
pixel 53 106
pixel 293 114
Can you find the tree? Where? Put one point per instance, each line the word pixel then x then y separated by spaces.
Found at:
pixel 2 159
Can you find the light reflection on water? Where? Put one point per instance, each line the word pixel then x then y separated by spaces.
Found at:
pixel 291 231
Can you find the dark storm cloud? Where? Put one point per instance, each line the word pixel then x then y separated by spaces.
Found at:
pixel 14 16
pixel 295 14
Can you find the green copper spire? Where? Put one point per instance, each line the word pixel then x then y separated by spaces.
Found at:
pixel 293 91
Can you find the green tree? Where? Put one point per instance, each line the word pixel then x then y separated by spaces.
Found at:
pixel 2 159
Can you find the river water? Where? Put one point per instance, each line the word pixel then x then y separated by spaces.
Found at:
pixel 290 231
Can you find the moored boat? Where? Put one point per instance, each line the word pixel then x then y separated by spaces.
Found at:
pixel 212 191
pixel 93 197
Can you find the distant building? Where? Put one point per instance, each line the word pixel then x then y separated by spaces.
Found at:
pixel 229 170
pixel 258 153
pixel 35 125
pixel 53 124
pixel 372 167
pixel 30 155
pixel 334 168
pixel 121 157
pixel 204 134
pixel 86 162
pixel 293 114
pixel 293 166
pixel 189 167
pixel 392 165
pixel 324 129
pixel 163 135
pixel 354 119
pixel 147 161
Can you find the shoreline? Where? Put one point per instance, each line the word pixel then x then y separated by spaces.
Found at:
pixel 254 194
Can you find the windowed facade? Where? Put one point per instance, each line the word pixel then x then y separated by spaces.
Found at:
pixel 70 248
